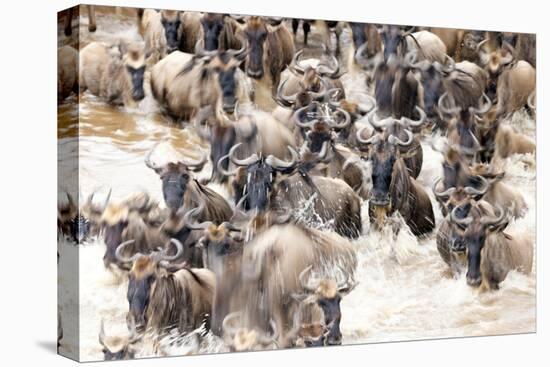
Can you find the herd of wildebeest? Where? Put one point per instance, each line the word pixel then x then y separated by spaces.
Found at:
pixel 268 267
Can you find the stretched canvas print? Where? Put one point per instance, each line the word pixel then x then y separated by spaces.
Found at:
pixel 233 183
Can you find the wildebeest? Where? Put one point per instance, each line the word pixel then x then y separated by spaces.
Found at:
pixel 321 198
pixel 180 189
pixel 163 295
pixel 258 131
pixel 398 43
pixel 270 50
pixel 67 72
pixel 452 38
pixel 394 190
pixel 240 339
pixel 115 72
pixel 491 252
pixel 183 83
pixel 161 32
pixel 508 142
pixel 366 49
pixel 118 347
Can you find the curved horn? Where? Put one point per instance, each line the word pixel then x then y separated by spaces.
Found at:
pixel 326 71
pixel 372 101
pixel 322 93
pixel 162 256
pixel 376 122
pixel 201 52
pixel 464 221
pixel 512 54
pixel 189 223
pixel 279 164
pixel 497 219
pixel 359 58
pixel 301 280
pixel 449 111
pixel 148 161
pixel 418 122
pixel 196 165
pixel 372 140
pixel 123 259
pixel 295 66
pixel 226 324
pixel 281 99
pixel 443 195
pixel 392 139
pixel 345 123
pixel 482 191
pixel 242 162
pixel 298 121
pixel 531 100
pixel 480 45
pixel 240 53
pixel 348 285
pixel 270 339
pixel 224 171
pixel 485 107
pixel 451 65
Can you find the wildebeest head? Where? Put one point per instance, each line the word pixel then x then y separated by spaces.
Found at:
pixel 256 31
pixel 118 347
pixel 261 173
pixel 143 274
pixel 386 149
pixel 393 38
pixel 495 61
pixel 432 76
pixel 133 57
pixel 175 178
pixel 476 230
pixel 72 221
pixel 212 26
pixel 223 66
pixel 327 294
pixel 171 23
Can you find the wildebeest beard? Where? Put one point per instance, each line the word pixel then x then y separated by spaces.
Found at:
pixel 136 76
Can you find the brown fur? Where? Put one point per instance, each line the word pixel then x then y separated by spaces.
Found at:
pixel 67 72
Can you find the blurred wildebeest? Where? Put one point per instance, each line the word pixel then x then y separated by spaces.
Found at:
pixel 161 32
pixel 508 142
pixel 511 81
pixel 67 72
pixel 366 50
pixel 258 131
pixel 241 339
pixel 163 295
pixel 451 37
pixel 180 189
pixel 491 252
pixel 425 44
pixel 330 200
pixel 115 72
pixel 394 190
pixel 183 83
pixel 117 348
pixel 463 82
pixel 270 50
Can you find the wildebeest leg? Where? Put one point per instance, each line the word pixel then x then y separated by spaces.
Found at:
pixel 337 33
pixel 69 22
pixel 91 18
pixel 295 25
pixel 306 27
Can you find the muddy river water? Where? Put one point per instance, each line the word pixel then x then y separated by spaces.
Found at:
pixel 404 289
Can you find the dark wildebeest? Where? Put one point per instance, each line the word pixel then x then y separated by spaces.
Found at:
pixel 366 50
pixel 163 295
pixel 492 253
pixel 394 190
pixel 183 83
pixel 270 50
pixel 257 187
pixel 219 32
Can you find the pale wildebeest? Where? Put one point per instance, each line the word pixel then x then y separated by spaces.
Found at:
pixel 67 72
pixel 394 190
pixel 491 252
pixel 330 200
pixel 508 142
pixel 161 32
pixel 511 81
pixel 181 190
pixel 242 339
pixel 113 73
pixel 258 131
pixel 163 295
pixel 116 348
pixel 270 50
pixel 366 50
pixel 463 82
pixel 183 83
pixel 398 43
pixel 270 262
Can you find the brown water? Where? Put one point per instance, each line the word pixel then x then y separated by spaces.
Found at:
pixel 404 291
